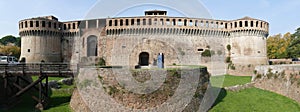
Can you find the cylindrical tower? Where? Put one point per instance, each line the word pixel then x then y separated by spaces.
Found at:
pixel 40 39
pixel 248 42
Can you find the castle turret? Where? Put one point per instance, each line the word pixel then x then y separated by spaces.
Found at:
pixel 40 39
pixel 248 42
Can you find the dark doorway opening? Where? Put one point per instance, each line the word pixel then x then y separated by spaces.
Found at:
pixel 144 59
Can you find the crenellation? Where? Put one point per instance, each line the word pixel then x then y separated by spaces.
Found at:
pixel 247 36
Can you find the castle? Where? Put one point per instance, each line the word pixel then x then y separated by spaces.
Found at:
pixel 139 40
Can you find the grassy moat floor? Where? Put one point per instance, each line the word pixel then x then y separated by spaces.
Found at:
pixel 247 100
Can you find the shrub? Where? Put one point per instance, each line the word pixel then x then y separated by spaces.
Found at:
pixel 249 65
pixel 232 67
pixel 255 71
pixel 258 76
pixel 228 47
pixel 207 53
pixel 228 60
pixel 101 62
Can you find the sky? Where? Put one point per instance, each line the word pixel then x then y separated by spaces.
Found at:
pixel 283 15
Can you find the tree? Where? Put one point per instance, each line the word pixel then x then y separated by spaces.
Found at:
pixel 18 42
pixel 11 50
pixel 294 46
pixel 277 46
pixel 8 39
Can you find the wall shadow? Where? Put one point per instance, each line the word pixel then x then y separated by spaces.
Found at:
pixel 220 97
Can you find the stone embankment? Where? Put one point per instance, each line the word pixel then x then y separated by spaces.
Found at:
pixel 281 79
pixel 106 89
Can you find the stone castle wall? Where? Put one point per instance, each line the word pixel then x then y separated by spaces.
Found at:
pixel 182 39
pixel 281 79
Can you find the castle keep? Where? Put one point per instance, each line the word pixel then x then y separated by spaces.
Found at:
pixel 138 40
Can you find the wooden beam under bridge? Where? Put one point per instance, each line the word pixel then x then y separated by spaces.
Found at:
pixel 42 70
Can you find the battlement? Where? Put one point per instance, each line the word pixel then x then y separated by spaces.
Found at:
pixel 52 40
pixel 149 24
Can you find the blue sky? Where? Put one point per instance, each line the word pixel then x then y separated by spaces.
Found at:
pixel 283 15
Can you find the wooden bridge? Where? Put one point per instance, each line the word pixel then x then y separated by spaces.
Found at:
pixel 13 74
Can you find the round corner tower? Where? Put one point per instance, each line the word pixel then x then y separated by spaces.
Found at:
pixel 248 42
pixel 40 39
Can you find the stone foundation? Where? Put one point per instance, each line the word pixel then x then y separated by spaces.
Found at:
pixel 108 89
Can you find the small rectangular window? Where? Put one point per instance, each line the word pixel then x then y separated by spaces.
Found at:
pixel 43 24
pixel 28 50
pixel 49 24
pixel 246 23
pixel 54 25
pixel 74 25
pixel 37 24
pixel 110 23
pixel 25 24
pixel 65 26
pixel 31 23
pixel 116 22
pixel 174 22
pixel 149 21
pixel 127 22
pixel 138 21
pixel 235 24
pixel 121 22
pixel 144 22
pixel 132 21
pixel 200 50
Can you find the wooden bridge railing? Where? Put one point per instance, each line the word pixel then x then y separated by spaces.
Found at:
pixel 12 74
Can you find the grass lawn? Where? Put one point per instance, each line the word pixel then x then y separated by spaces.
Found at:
pixel 59 101
pixel 229 80
pixel 249 100
pixel 254 100
pixel 34 78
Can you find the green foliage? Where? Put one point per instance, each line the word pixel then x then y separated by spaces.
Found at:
pixel 277 46
pixel 59 100
pixel 101 62
pixel 293 50
pixel 208 53
pixel 228 59
pixel 112 90
pixel 258 76
pixel 255 71
pixel 254 100
pixel 18 42
pixel 8 39
pixel 231 66
pixel 11 50
pixel 174 73
pixel 228 47
pixel 286 46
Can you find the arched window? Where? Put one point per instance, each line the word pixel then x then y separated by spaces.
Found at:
pixel 92 46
